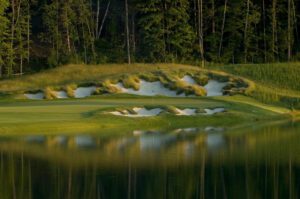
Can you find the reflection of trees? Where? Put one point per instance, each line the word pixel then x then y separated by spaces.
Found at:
pixel 24 177
pixel 259 164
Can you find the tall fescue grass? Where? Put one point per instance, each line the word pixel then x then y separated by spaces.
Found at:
pixel 78 74
pixel 281 75
pixel 277 83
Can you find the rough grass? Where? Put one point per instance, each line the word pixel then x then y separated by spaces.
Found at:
pixel 281 75
pixel 49 93
pixel 70 90
pixel 275 83
pixel 131 81
pixel 79 74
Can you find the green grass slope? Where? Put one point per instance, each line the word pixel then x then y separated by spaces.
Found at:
pixel 90 114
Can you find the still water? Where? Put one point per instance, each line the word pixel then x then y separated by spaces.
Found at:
pixel 213 162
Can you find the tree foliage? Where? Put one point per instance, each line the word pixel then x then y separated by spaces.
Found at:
pixel 40 34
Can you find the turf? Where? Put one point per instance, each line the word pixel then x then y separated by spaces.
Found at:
pixel 90 115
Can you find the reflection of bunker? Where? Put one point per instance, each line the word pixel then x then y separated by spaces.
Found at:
pixel 215 141
pixel 156 142
pixel 84 141
pixel 36 139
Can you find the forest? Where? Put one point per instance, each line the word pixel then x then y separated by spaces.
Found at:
pixel 40 34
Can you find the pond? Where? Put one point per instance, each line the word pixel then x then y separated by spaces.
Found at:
pixel 213 162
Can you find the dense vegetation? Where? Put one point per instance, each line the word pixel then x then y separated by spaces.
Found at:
pixel 39 34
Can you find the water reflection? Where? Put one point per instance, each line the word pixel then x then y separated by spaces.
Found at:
pixel 182 163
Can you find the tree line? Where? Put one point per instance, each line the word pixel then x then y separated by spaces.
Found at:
pixel 38 34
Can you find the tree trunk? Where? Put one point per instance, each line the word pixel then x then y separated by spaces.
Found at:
pixel 9 71
pixel 97 18
pixel 127 32
pixel 103 20
pixel 223 26
pixel 213 23
pixel 200 31
pixel 28 33
pixel 289 31
pixel 133 34
pixel 246 31
pixel 264 22
pixel 274 22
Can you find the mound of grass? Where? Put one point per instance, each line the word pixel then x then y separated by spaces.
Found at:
pixel 132 81
pixel 70 90
pixel 201 78
pixel 49 93
pixel 198 90
pixel 171 109
pixel 106 87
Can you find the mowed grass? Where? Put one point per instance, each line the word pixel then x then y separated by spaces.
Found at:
pixel 88 115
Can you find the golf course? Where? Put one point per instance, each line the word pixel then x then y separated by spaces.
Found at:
pixel 239 98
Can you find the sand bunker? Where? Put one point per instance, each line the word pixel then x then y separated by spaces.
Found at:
pixel 149 89
pixel 186 112
pixel 189 80
pixel 61 94
pixel 214 88
pixel 83 92
pixel 36 96
pixel 214 111
pixel 139 112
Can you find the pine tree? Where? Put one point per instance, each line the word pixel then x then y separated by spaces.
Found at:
pixel 4 45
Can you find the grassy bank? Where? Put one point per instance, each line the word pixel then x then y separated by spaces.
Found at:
pixel 276 83
pixel 89 115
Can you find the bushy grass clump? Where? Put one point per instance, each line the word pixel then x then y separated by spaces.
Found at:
pixel 172 110
pixel 132 81
pixel 49 93
pixel 201 79
pixel 198 90
pixel 106 87
pixel 70 90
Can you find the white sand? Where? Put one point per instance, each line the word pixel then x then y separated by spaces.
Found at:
pixel 186 112
pixel 61 94
pixel 214 111
pixel 189 80
pixel 83 92
pixel 140 112
pixel 149 89
pixel 214 88
pixel 84 141
pixel 36 96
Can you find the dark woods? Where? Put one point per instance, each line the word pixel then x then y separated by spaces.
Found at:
pixel 38 34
